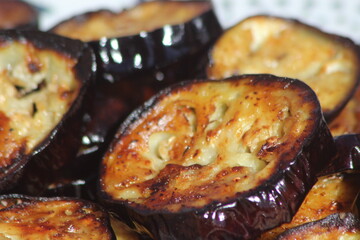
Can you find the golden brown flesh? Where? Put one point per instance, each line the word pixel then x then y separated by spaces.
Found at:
pixel 283 47
pixel 52 218
pixel 331 194
pixel 143 18
pixel 342 226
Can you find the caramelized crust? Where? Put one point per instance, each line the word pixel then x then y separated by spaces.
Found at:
pixel 344 226
pixel 331 194
pixel 208 141
pixel 52 218
pixel 37 87
pixel 261 44
pixel 144 17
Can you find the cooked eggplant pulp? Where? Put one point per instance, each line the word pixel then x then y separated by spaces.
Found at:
pixel 216 152
pixel 328 64
pixel 23 217
pixel 37 88
pixel 44 80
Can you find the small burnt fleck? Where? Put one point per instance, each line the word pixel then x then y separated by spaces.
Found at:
pixel 34 67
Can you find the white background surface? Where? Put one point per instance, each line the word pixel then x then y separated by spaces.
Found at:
pixel 336 16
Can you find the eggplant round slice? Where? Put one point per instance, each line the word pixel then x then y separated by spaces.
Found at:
pixel 18 14
pixel 44 84
pixel 150 35
pixel 335 226
pixel 223 159
pixel 24 217
pixel 328 63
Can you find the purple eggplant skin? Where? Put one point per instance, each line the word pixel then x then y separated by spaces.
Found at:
pixel 348 154
pixel 249 213
pixel 53 158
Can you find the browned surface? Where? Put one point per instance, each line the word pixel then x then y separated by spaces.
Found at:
pixel 145 17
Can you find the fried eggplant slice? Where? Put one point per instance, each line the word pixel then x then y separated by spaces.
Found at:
pixel 24 217
pixel 18 14
pixel 44 81
pixel 150 35
pixel 328 63
pixel 227 159
pixel 344 226
pixel 331 194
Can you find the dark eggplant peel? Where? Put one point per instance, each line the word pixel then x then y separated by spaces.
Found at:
pixel 150 35
pixel 18 14
pixel 44 79
pixel 24 217
pixel 345 226
pixel 328 63
pixel 223 159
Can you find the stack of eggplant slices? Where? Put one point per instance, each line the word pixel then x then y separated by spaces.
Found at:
pixel 155 122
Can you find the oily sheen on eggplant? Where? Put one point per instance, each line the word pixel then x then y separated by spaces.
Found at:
pixel 345 226
pixel 223 159
pixel 25 217
pixel 44 82
pixel 328 63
